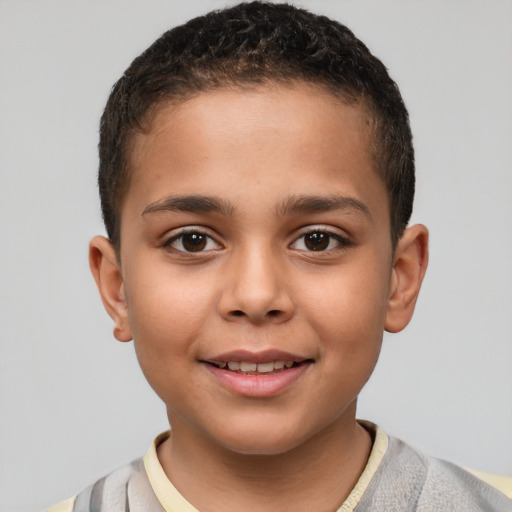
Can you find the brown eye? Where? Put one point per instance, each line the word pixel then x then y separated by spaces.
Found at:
pixel 194 242
pixel 317 241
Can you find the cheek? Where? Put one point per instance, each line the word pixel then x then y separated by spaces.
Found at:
pixel 167 311
pixel 347 307
pixel 166 318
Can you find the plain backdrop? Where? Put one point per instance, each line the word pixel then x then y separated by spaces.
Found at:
pixel 73 402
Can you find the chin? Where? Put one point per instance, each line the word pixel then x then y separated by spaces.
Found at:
pixel 263 441
pixel 264 448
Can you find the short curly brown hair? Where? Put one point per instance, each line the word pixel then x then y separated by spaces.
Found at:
pixel 245 45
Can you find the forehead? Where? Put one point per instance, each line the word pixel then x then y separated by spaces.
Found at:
pixel 278 139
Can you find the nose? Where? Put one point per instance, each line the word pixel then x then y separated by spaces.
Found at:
pixel 254 289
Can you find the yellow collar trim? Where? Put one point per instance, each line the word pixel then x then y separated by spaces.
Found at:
pixel 166 493
pixel 380 445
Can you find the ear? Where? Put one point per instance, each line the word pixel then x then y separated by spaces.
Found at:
pixel 107 274
pixel 409 267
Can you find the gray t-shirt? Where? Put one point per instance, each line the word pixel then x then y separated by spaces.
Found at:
pixel 404 481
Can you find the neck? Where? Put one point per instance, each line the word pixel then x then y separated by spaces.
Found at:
pixel 317 475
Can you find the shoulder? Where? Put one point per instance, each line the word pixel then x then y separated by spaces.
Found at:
pixel 126 488
pixel 63 506
pixel 410 480
pixel 502 483
pixel 447 484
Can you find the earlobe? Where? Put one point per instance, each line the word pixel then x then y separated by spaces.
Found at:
pixel 409 267
pixel 107 274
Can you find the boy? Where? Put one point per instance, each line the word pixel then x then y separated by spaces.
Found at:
pixel 257 178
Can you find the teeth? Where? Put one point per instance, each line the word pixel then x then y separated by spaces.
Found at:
pixel 265 367
pixel 246 366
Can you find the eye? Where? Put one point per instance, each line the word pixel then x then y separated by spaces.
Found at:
pixel 319 240
pixel 192 241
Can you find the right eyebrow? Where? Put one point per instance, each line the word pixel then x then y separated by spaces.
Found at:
pixel 192 204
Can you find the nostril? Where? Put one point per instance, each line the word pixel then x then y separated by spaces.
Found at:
pixel 238 312
pixel 273 312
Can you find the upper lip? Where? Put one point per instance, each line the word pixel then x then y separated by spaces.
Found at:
pixel 265 356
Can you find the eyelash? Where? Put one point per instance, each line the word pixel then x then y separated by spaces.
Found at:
pixel 326 237
pixel 203 239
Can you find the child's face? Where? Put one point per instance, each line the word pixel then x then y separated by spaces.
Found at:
pixel 255 230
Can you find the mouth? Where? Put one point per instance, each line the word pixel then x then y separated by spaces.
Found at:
pixel 257 368
pixel 260 374
pixel 264 374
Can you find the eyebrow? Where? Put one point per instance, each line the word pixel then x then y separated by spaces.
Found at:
pixel 292 205
pixel 192 204
pixel 320 204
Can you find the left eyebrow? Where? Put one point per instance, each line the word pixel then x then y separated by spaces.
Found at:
pixel 192 204
pixel 320 204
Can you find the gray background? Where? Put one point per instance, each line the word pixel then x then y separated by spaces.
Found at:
pixel 73 403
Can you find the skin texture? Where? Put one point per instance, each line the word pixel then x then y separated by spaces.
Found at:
pixel 256 286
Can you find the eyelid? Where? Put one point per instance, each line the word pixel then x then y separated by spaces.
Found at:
pixel 177 233
pixel 343 239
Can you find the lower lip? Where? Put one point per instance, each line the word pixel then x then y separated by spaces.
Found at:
pixel 263 385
